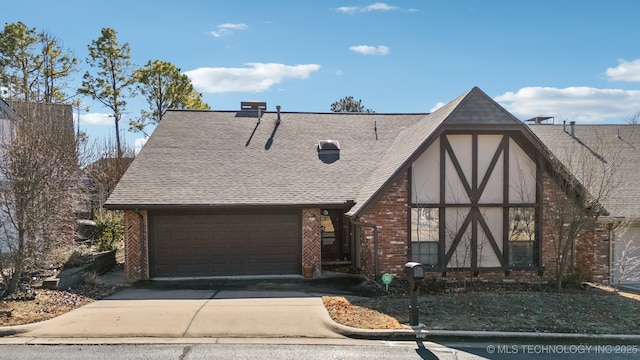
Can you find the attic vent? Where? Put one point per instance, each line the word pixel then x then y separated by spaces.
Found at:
pixel 328 146
pixel 328 151
pixel 253 106
pixel 541 120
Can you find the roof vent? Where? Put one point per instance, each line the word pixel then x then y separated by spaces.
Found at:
pixel 572 127
pixel 253 105
pixel 328 151
pixel 328 146
pixel 541 120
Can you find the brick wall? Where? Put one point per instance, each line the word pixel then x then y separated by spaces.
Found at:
pixel 390 213
pixel 311 242
pixel 526 276
pixel 592 254
pixel 591 257
pixel 136 258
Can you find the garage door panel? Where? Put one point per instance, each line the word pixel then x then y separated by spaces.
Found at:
pixel 217 244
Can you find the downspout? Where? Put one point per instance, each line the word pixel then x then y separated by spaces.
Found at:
pixel 611 227
pixel 612 236
pixel 143 246
pixel 375 243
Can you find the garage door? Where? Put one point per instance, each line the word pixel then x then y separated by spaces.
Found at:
pixel 221 244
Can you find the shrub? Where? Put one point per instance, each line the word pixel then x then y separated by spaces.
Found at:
pixel 90 278
pixel 109 229
pixel 77 258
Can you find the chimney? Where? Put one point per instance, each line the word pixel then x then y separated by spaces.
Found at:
pixel 572 125
pixel 253 105
pixel 278 110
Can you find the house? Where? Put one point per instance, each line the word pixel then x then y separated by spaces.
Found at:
pixel 6 113
pixel 613 147
pixel 39 157
pixel 463 190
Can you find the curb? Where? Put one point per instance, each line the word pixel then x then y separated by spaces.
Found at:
pixel 418 333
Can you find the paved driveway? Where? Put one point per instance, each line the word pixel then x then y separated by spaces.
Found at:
pixel 171 313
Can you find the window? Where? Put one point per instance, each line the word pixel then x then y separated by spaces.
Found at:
pixel 474 199
pixel 425 235
pixel 521 236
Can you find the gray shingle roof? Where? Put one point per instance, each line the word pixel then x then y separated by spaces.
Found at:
pixel 5 111
pixel 600 146
pixel 224 158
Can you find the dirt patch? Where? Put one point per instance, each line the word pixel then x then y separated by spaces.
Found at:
pixel 590 311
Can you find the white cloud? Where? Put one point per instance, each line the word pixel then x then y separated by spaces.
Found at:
pixel 228 29
pixel 368 8
pixel 96 119
pixel 139 143
pixel 581 104
pixel 378 7
pixel 625 71
pixel 370 50
pixel 438 106
pixel 347 9
pixel 257 77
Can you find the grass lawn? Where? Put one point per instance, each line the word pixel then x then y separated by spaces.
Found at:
pixel 591 311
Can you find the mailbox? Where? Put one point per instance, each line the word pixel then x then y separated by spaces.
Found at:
pixel 414 270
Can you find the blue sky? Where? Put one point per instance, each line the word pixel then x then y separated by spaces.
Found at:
pixel 575 60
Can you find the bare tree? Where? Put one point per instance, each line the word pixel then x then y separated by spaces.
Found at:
pixel 103 169
pixel 627 261
pixel 587 174
pixel 38 173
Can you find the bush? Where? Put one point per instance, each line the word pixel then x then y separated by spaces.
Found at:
pixel 90 278
pixel 77 258
pixel 109 229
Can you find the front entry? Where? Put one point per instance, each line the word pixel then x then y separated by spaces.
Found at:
pixel 336 247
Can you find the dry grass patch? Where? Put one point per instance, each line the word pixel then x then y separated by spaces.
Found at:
pixel 591 311
pixel 345 313
pixel 48 304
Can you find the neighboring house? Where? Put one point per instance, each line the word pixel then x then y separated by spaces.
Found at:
pixel 43 121
pixel 463 190
pixel 6 113
pixel 606 146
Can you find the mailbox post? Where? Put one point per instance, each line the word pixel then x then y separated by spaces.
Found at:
pixel 414 272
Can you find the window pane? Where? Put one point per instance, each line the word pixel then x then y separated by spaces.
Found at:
pixel 521 236
pixel 425 253
pixel 424 224
pixel 521 253
pixel 522 224
pixel 424 235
